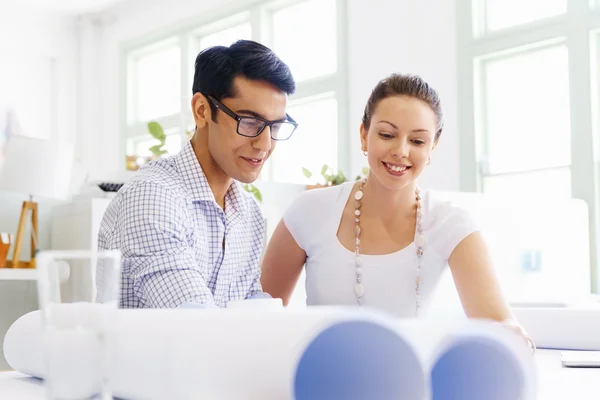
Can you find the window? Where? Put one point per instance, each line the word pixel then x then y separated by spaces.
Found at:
pixel 536 136
pixel 226 36
pixel 313 56
pixel 548 183
pixel 172 144
pixel 526 130
pixel 301 47
pixel 501 14
pixel 314 143
pixel 154 94
pixel 157 97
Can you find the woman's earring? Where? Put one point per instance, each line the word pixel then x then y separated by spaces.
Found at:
pixel 428 161
pixel 364 152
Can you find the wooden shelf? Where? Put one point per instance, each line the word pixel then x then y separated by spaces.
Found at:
pixel 18 274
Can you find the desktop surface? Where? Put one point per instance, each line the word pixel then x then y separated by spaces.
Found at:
pixel 554 381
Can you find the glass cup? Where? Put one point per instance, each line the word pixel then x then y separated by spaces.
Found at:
pixel 78 293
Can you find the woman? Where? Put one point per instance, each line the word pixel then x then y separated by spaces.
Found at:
pixel 382 242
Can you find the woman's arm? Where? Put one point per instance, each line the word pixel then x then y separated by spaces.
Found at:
pixel 282 264
pixel 477 285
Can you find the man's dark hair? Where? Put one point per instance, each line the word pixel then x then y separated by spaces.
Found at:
pixel 217 66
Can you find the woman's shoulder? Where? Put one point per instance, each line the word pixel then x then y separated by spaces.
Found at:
pixel 446 221
pixel 440 208
pixel 314 212
pixel 322 198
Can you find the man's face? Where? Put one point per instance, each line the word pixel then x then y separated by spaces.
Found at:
pixel 240 157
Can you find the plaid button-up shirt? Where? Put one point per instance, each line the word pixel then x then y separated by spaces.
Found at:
pixel 178 246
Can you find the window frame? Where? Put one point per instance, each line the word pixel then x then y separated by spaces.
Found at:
pixel 259 15
pixel 576 28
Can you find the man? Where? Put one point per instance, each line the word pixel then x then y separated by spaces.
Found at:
pixel 188 233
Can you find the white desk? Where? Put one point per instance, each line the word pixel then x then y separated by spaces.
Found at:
pixel 14 385
pixel 554 382
pixel 18 274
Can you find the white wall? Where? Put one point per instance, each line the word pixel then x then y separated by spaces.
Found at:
pixel 407 36
pixel 30 37
pixel 384 36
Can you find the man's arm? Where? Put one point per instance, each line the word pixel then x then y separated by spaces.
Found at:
pixel 253 273
pixel 256 291
pixel 157 247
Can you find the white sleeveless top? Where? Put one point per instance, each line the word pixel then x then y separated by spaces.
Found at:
pixel 313 220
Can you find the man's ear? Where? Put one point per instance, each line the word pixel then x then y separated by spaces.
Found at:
pixel 201 110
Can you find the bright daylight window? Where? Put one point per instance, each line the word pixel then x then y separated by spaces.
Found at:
pixel 534 119
pixel 501 14
pixel 529 118
pixel 278 25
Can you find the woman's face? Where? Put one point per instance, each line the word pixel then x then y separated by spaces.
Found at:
pixel 399 140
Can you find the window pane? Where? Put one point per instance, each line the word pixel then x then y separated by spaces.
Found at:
pixel 546 184
pixel 502 14
pixel 526 99
pixel 308 52
pixel 158 84
pixel 313 144
pixel 226 36
pixel 141 148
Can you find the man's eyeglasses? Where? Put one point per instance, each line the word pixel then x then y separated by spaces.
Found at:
pixel 253 126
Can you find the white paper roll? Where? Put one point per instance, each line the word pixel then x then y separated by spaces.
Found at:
pixel 319 353
pixel 263 353
pixel 473 359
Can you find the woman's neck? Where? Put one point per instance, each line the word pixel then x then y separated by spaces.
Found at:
pixel 386 204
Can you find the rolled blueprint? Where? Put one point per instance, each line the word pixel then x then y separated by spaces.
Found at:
pixel 472 359
pixel 318 353
pixel 315 353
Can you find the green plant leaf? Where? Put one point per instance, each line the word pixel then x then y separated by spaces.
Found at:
pixel 339 178
pixel 157 149
pixel 257 194
pixel 327 173
pixel 157 131
pixel 254 191
pixel 306 173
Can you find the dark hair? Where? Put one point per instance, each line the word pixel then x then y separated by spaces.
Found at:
pixel 217 66
pixel 404 85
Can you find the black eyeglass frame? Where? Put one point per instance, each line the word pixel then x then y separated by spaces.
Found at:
pixel 265 122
